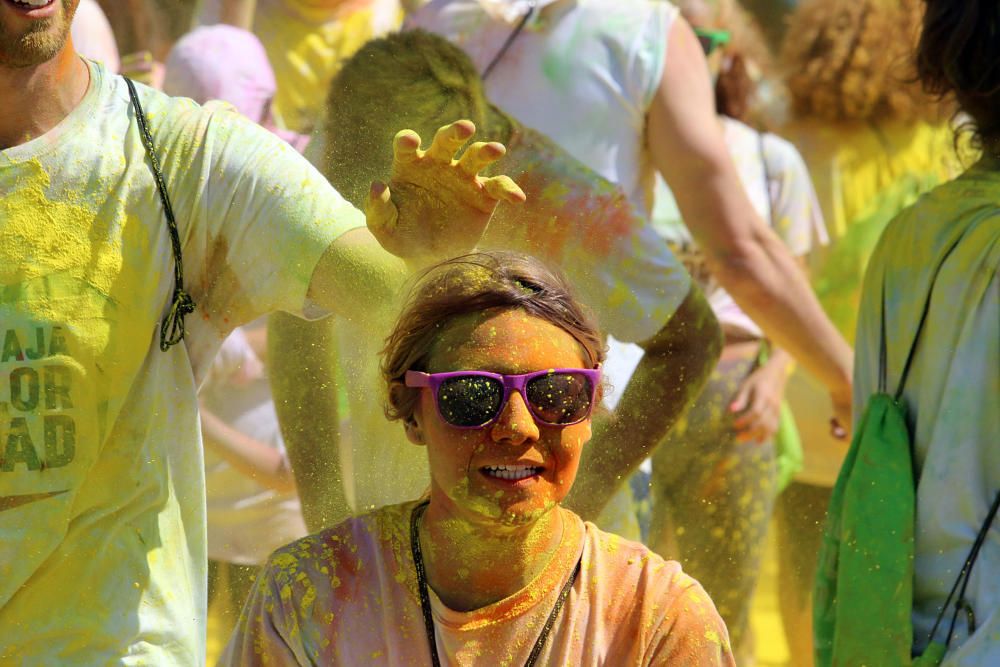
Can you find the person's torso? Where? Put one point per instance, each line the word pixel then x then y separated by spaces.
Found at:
pixel 586 226
pixel 762 162
pixel 952 394
pixel 583 73
pixel 98 430
pixel 615 609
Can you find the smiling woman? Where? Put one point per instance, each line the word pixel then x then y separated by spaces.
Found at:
pixel 494 367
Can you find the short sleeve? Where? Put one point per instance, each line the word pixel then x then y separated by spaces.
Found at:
pixel 797 218
pixel 258 216
pixel 691 634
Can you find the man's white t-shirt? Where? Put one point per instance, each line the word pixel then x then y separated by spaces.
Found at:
pixel 102 499
pixel 583 73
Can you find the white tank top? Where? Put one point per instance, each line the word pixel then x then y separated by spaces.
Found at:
pixel 582 72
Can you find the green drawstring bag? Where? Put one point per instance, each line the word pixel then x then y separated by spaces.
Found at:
pixel 864 586
pixel 863 597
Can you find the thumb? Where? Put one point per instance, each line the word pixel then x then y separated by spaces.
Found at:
pixel 741 399
pixel 380 213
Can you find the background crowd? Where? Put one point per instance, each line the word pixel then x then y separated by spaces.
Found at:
pixel 716 425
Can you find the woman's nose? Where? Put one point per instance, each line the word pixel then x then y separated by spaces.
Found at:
pixel 515 423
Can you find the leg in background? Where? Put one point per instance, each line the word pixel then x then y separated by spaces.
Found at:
pixel 799 518
pixel 719 495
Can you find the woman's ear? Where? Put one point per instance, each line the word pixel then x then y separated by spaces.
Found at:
pixel 413 431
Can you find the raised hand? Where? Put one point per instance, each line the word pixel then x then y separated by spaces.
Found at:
pixel 435 206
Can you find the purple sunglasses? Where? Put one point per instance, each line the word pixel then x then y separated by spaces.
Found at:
pixel 475 399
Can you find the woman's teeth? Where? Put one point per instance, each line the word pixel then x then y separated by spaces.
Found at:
pixel 511 472
pixel 32 3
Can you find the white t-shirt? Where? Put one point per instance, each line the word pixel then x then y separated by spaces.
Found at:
pixel 246 520
pixel 583 73
pixel 102 498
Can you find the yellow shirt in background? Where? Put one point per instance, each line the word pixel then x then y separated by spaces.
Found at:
pixel 306 40
pixel 864 174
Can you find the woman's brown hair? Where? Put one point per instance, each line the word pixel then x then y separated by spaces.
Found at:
pixel 473 284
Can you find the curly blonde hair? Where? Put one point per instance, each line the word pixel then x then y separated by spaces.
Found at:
pixel 853 60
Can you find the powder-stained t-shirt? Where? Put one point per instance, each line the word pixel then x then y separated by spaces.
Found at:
pixel 952 394
pixel 348 596
pixel 582 72
pixel 102 500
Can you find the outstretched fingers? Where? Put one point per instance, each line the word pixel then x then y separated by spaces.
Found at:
pixel 504 188
pixel 449 139
pixel 480 155
pixel 405 147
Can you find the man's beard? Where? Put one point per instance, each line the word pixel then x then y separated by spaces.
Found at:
pixel 39 44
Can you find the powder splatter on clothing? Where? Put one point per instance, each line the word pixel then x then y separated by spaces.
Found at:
pixel 348 596
pixel 102 500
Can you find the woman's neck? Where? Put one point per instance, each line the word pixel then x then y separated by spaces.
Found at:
pixel 472 565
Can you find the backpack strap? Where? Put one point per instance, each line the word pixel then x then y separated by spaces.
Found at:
pixel 172 326
pixel 883 348
pixel 963 580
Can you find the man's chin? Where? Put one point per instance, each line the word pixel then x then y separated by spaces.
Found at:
pixel 40 43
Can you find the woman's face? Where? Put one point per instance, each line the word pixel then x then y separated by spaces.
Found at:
pixel 508 342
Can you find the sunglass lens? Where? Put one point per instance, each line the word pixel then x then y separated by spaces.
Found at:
pixel 560 398
pixel 471 400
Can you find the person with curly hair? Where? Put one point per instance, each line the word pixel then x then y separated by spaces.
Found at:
pixel 874 141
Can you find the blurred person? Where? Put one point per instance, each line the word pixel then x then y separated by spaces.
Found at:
pixel 102 527
pixel 145 31
pixel 928 343
pixel 93 37
pixel 625 89
pixel 493 368
pixel 572 218
pixel 715 477
pixel 252 504
pixel 306 40
pixel 223 62
pixel 873 142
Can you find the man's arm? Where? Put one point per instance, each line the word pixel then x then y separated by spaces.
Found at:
pixel 742 252
pixel 301 358
pixel 676 364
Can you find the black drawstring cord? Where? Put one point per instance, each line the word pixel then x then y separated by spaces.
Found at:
pixel 172 326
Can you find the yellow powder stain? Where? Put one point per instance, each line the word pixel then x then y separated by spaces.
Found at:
pixel 43 235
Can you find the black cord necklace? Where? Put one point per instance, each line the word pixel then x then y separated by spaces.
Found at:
pixel 425 599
